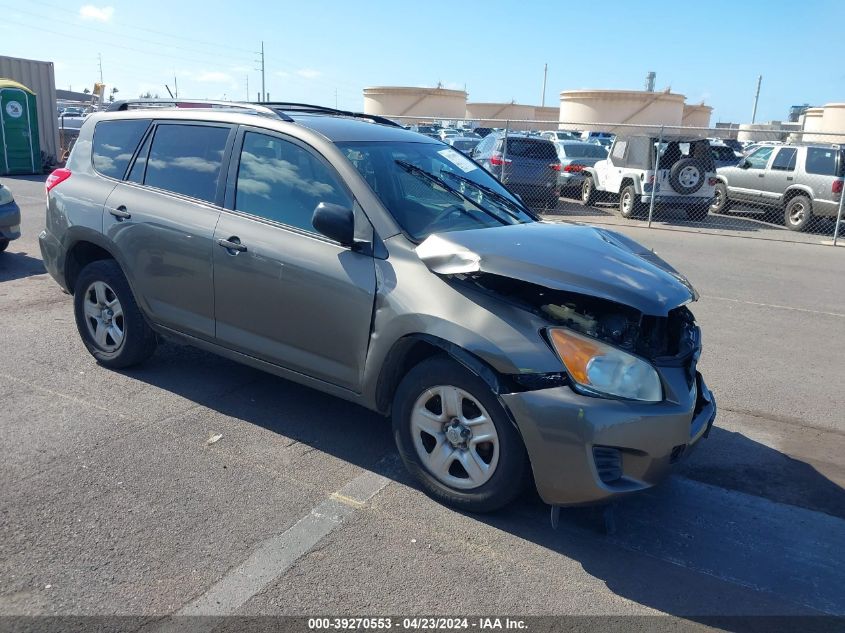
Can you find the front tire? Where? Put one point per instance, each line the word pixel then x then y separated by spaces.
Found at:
pixel 455 438
pixel 109 320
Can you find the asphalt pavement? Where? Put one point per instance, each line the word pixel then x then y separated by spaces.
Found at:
pixel 119 498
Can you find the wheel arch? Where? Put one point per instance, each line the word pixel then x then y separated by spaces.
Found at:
pixel 83 247
pixel 412 349
pixel 796 190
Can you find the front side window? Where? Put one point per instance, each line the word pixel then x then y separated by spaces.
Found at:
pixel 429 189
pixel 115 143
pixel 785 159
pixel 760 157
pixel 187 159
pixel 283 182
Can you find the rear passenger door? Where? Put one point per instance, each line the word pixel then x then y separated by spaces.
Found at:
pixel 283 292
pixel 162 219
pixel 780 175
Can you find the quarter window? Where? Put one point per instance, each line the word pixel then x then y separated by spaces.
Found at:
pixel 785 159
pixel 281 181
pixel 821 161
pixel 186 159
pixel 759 158
pixel 115 143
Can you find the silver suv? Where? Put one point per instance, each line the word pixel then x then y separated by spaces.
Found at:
pixel 800 181
pixel 384 267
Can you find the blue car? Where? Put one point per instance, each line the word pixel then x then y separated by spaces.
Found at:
pixel 10 218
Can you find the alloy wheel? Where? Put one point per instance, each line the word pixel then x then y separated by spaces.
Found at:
pixel 104 316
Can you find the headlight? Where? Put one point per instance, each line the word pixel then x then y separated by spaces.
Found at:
pixel 605 370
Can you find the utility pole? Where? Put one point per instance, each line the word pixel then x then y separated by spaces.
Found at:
pixel 545 75
pixel 175 86
pixel 100 60
pixel 756 98
pixel 263 95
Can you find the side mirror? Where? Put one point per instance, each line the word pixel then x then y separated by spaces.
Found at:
pixel 744 164
pixel 335 222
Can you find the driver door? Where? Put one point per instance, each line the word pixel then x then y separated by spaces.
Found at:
pixel 283 292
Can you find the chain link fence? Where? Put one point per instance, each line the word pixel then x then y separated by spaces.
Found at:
pixel 780 184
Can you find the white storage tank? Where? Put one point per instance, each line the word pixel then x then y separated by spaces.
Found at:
pixel 811 121
pixel 425 103
pixel 833 120
pixel 598 110
pixel 696 115
pixel 496 115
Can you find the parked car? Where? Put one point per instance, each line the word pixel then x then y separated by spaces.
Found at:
pixel 801 182
pixel 590 137
pixel 574 157
pixel 447 133
pixel 685 175
pixel 429 130
pixel 484 131
pixel 528 166
pixel 723 156
pixel 371 263
pixel 463 144
pixel 560 135
pixel 10 218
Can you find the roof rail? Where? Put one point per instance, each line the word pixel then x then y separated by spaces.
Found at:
pixel 141 104
pixel 281 106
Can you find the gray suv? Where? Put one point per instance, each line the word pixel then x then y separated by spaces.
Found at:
pixel 800 181
pixel 383 267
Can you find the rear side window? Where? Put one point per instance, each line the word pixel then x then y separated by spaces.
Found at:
pixel 785 159
pixel 527 148
pixel 822 161
pixel 187 159
pixel 115 143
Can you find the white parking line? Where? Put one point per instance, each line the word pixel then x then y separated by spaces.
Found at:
pixel 278 553
pixel 774 305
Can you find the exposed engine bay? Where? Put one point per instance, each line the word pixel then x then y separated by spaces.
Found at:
pixel 623 326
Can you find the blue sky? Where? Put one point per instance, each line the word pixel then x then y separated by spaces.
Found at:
pixel 709 51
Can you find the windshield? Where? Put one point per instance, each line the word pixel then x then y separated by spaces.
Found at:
pixel 430 189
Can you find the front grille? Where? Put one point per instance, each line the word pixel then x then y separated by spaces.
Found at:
pixel 608 463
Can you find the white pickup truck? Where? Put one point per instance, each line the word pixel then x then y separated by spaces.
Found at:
pixel 685 175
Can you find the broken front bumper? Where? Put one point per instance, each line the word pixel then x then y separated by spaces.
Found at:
pixel 586 449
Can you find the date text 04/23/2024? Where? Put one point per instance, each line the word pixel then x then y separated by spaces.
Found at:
pixel 416 623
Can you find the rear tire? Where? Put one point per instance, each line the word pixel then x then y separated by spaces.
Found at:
pixel 630 205
pixel 721 202
pixel 439 401
pixel 109 320
pixel 798 213
pixel 588 192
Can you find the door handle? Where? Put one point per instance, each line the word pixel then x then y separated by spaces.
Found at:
pixel 120 213
pixel 232 244
pixel 761 175
pixel 789 178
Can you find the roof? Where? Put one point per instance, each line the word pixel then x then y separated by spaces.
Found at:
pixel 341 129
pixel 9 83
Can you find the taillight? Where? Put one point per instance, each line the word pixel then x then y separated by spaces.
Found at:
pixel 555 166
pixel 712 181
pixel 58 176
pixel 573 168
pixel 837 186
pixel 496 159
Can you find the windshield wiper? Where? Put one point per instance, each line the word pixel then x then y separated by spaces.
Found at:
pixel 413 169
pixel 495 195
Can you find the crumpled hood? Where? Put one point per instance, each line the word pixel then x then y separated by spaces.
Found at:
pixel 570 257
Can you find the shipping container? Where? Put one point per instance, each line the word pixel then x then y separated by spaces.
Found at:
pixel 40 78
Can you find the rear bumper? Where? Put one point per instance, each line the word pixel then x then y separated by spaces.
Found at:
pixel 10 221
pixel 50 251
pixel 586 450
